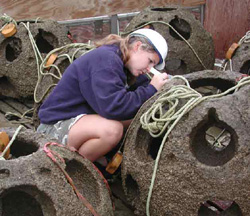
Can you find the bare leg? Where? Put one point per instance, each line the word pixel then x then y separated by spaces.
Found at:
pixel 126 123
pixel 94 136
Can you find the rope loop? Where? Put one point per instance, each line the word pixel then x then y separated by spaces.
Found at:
pixel 167 111
pixel 43 69
pixel 7 19
pixel 245 38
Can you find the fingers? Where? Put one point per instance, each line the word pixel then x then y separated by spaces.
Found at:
pixel 159 80
pixel 164 76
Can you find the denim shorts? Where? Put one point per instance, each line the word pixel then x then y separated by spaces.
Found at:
pixel 60 129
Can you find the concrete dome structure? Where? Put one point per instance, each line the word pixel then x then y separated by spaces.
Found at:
pixel 32 184
pixel 191 169
pixel 181 58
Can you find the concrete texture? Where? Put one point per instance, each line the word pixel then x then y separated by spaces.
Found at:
pixel 48 82
pixel 181 59
pixel 32 184
pixel 190 170
pixel 241 59
pixel 18 67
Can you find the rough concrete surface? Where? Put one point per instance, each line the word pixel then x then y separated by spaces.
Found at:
pixel 241 59
pixel 18 67
pixel 32 184
pixel 191 171
pixel 180 59
pixel 48 81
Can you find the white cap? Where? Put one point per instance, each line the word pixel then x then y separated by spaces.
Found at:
pixel 157 41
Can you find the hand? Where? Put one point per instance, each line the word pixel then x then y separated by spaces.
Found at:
pixel 159 80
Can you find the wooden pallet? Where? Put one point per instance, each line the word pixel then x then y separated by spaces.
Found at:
pixel 9 105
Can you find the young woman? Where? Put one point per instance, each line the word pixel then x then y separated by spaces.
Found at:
pixel 100 92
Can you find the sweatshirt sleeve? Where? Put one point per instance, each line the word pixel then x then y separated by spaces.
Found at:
pixel 112 99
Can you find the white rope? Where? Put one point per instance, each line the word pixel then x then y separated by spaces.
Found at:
pixel 166 121
pixel 7 19
pixel 10 143
pixel 244 39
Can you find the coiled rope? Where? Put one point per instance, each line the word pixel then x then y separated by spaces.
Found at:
pixel 156 120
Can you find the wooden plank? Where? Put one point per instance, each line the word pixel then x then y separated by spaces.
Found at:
pixel 193 2
pixel 227 21
pixel 21 108
pixel 5 123
pixel 29 104
pixel 4 108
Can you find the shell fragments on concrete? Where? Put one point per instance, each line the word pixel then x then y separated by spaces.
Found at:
pixel 18 67
pixel 32 184
pixel 192 170
pixel 181 59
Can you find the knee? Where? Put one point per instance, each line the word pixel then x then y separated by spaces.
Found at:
pixel 113 133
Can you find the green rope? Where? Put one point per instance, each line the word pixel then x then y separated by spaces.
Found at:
pixel 157 120
pixel 164 23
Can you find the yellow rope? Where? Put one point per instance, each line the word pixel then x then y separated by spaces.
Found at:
pixel 39 59
pixel 157 120
pixel 40 62
pixel 42 67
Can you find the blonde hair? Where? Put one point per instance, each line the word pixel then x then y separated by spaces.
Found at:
pixel 125 44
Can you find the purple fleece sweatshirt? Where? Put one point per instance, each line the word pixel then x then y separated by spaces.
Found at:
pixel 96 83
